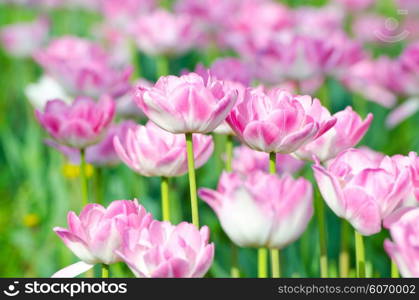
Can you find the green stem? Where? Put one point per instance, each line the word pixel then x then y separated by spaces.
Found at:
pixel 229 153
pixel 162 66
pixel 344 249
pixel 360 255
pixel 105 271
pixel 192 179
pixel 135 59
pixel 394 270
pixel 234 271
pixel 165 202
pixel 275 260
pixel 321 222
pixel 262 263
pixel 83 178
pixel 98 185
pixel 275 263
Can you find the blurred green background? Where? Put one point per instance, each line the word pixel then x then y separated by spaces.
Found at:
pixel 37 189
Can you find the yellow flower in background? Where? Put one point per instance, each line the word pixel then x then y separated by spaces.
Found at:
pixel 31 220
pixel 73 171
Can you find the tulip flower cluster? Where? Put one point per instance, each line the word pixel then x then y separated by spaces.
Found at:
pixel 124 231
pixel 269 100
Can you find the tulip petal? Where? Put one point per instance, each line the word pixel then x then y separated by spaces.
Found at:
pixel 73 270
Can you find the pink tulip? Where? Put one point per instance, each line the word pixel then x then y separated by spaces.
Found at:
pixel 152 151
pixel 102 153
pixel 229 69
pixel 363 78
pixel 186 104
pixel 165 250
pixel 261 210
pixel 83 67
pixel 278 121
pixel 23 39
pixel 119 11
pixel 247 161
pixel 404 248
pixel 291 56
pixel 402 112
pixel 362 191
pixel 97 232
pixel 164 33
pixel 347 132
pixel 356 5
pixel 411 161
pixel 80 124
pixel 409 62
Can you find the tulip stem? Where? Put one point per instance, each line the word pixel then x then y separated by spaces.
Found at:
pixel 275 261
pixel 165 202
pixel 360 255
pixel 229 153
pixel 83 178
pixel 344 249
pixel 105 271
pixel 262 263
pixel 234 271
pixel 192 179
pixel 162 66
pixel 321 222
pixel 394 270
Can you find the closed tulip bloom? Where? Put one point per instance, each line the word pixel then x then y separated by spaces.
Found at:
pixel 96 233
pixel 279 121
pixel 261 210
pixel 24 39
pixel 411 161
pixel 83 67
pixel 362 190
pixel 186 104
pixel 247 161
pixel 102 153
pixel 167 251
pixel 347 132
pixel 403 248
pixel 164 33
pixel 152 151
pixel 77 125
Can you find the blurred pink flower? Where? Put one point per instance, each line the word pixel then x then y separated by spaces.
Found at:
pixel 402 112
pixel 227 68
pixel 102 153
pixel 164 33
pixel 83 67
pixel 374 28
pixel 347 132
pixel 186 104
pixel 168 251
pixel 403 248
pixel 291 56
pixel 409 63
pixel 318 22
pixel 356 5
pixel 279 121
pixel 364 78
pixel 123 12
pixel 247 161
pixel 261 210
pixel 152 151
pixel 361 190
pixel 24 39
pixel 77 125
pixel 97 232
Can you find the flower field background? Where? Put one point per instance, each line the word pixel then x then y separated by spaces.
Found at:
pixel 39 185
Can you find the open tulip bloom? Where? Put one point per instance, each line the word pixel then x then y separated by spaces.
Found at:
pixel 404 249
pixel 96 233
pixel 278 121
